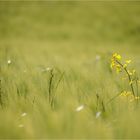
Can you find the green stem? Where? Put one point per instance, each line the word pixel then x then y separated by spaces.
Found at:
pixel 129 76
pixel 137 86
pixel 50 85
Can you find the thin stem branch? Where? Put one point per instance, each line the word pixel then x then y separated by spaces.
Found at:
pixel 137 87
pixel 1 102
pixel 129 76
pixel 50 85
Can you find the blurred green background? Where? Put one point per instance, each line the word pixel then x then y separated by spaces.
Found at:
pixel 71 26
pixel 77 38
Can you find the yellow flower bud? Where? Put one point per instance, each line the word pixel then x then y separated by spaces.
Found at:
pixel 125 65
pixel 128 61
pixel 131 82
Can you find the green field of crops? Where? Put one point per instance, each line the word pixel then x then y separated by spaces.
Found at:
pixel 55 76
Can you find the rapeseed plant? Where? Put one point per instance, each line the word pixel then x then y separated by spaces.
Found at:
pixel 119 66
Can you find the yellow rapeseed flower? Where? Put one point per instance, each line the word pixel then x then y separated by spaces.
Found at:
pixel 128 61
pixel 137 98
pixel 133 98
pixel 125 65
pixel 114 64
pixel 125 94
pixel 130 73
pixel 117 56
pixel 134 71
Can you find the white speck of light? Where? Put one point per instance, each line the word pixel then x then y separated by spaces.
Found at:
pixel 98 114
pixel 98 57
pixel 79 108
pixel 23 114
pixel 9 61
pixel 46 69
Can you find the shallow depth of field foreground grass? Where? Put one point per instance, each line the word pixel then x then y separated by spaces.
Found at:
pixel 55 75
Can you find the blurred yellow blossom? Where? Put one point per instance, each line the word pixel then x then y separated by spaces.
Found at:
pixel 119 66
pixel 128 61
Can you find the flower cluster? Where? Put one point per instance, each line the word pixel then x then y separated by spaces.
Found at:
pixel 125 94
pixel 116 63
pixel 129 96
